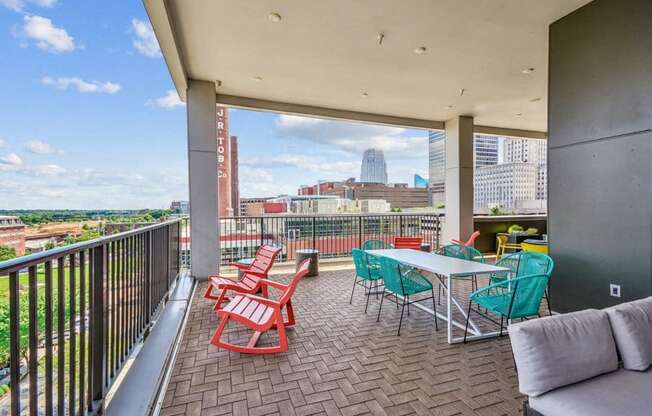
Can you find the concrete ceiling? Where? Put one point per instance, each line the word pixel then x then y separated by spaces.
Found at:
pixel 326 54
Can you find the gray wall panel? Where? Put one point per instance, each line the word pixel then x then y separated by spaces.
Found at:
pixel 600 221
pixel 600 157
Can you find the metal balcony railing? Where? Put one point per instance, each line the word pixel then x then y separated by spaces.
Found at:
pixel 75 314
pixel 332 235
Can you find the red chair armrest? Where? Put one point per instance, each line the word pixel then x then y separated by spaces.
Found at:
pixel 272 283
pixel 257 274
pixel 217 276
pixel 241 266
pixel 458 242
pixel 264 301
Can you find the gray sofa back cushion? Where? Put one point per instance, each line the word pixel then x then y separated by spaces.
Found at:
pixel 563 349
pixel 631 324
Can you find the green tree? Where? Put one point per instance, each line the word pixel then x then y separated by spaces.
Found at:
pixel 7 253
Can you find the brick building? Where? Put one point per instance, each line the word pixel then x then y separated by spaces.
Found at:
pixel 12 234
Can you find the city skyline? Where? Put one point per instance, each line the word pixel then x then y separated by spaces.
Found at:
pixel 97 136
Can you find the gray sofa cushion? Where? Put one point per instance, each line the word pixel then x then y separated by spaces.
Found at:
pixel 559 350
pixel 631 324
pixel 621 393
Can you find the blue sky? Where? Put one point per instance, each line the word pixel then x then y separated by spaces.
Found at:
pixel 90 119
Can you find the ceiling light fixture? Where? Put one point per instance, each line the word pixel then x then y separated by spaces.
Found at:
pixel 274 17
pixel 450 106
pixel 534 100
pixel 518 114
pixel 420 50
pixel 462 91
pixel 258 79
pixel 527 71
pixel 381 37
pixel 364 94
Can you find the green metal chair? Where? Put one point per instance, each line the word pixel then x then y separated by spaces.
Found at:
pixel 376 245
pixel 525 263
pixel 367 275
pixel 514 298
pixel 404 281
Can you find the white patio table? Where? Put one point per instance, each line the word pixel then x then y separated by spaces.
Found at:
pixel 446 269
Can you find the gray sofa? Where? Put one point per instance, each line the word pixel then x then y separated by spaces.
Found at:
pixel 587 363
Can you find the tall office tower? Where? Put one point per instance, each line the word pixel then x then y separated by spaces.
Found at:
pixel 437 166
pixel 508 185
pixel 224 207
pixel 374 168
pixel 524 151
pixel 235 185
pixel 486 150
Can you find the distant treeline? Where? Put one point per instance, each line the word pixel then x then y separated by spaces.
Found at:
pixel 40 216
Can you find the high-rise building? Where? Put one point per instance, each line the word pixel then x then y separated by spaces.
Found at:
pixel 437 166
pixel 420 181
pixel 524 151
pixel 485 150
pixel 181 207
pixel 224 207
pixel 506 185
pixel 374 168
pixel 235 181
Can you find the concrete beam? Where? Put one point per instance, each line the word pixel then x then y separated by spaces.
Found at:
pixel 202 168
pixel 459 179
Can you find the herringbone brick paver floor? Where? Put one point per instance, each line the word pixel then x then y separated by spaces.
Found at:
pixel 341 362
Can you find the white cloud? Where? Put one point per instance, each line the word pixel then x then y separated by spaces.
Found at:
pixel 40 147
pixel 46 35
pixel 81 85
pixel 145 41
pixel 19 5
pixel 353 138
pixel 309 163
pixel 169 100
pixel 43 170
pixel 2 142
pixel 12 159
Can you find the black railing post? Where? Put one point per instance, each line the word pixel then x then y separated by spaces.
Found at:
pixel 437 228
pixel 262 231
pixel 148 278
pixel 96 382
pixel 14 330
pixel 400 225
pixel 314 232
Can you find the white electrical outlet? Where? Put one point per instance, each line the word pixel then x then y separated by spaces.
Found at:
pixel 614 290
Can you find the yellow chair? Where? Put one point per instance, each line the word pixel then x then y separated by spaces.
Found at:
pixel 502 244
pixel 539 248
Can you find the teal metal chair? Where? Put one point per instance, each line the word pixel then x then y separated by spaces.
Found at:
pixel 367 275
pixel 510 299
pixel 404 281
pixel 376 245
pixel 460 251
pixel 525 263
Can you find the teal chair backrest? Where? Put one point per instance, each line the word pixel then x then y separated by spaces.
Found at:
pixel 462 252
pixel 376 245
pixel 390 270
pixel 361 264
pixel 528 292
pixel 536 263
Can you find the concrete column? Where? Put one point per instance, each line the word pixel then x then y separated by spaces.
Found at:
pixel 202 168
pixel 459 179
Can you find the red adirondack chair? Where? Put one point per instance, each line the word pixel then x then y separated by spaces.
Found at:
pixel 250 280
pixel 468 242
pixel 408 242
pixel 260 315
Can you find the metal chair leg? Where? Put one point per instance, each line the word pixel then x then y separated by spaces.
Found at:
pixel 408 303
pixel 434 309
pixel 400 322
pixel 468 316
pixel 502 318
pixel 547 296
pixel 439 294
pixel 355 282
pixel 382 297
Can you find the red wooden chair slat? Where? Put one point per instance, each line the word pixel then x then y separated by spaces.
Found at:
pixel 260 314
pixel 468 242
pixel 408 242
pixel 249 283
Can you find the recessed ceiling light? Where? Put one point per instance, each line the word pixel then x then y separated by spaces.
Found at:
pixel 274 17
pixel 519 114
pixel 381 37
pixel 527 71
pixel 420 50
pixel 534 100
pixel 258 79
pixel 450 106
pixel 364 94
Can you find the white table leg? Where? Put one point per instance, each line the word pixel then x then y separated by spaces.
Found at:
pixel 449 311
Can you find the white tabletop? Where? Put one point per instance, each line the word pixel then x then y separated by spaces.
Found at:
pixel 436 263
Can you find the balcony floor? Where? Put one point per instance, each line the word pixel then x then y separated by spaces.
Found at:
pixel 341 361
